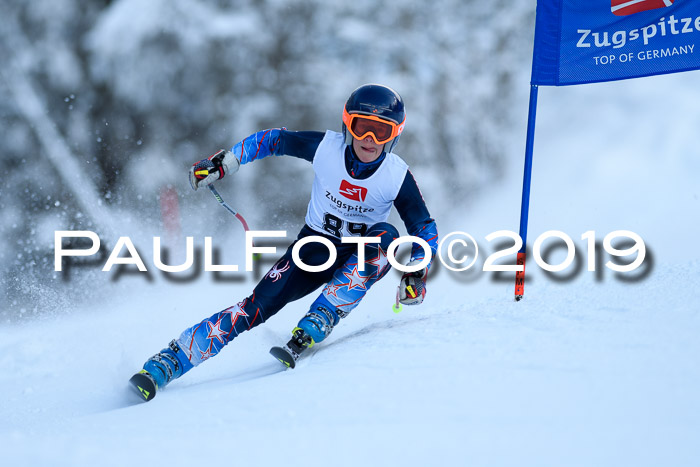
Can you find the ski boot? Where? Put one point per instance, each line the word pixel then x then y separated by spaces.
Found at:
pixel 290 353
pixel 159 370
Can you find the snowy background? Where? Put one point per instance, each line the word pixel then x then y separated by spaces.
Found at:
pixel 105 106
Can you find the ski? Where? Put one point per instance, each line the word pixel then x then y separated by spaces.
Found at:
pixel 144 385
pixel 285 355
pixel 290 353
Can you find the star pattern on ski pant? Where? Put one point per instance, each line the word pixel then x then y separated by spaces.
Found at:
pixel 236 311
pixel 215 331
pixel 206 355
pixel 380 262
pixel 356 279
pixel 331 289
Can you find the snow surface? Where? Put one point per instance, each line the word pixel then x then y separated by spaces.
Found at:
pixel 582 372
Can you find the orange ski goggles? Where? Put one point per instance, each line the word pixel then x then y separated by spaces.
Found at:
pixel 381 130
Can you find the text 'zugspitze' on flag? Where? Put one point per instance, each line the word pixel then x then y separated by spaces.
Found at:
pixel 586 41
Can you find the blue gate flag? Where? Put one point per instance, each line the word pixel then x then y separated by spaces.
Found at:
pixel 588 41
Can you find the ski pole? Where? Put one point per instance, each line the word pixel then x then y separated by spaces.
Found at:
pixel 232 211
pixel 396 307
pixel 227 207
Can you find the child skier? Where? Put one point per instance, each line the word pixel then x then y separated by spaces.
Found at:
pixel 357 180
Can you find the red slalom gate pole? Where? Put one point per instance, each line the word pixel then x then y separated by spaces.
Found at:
pixel 525 204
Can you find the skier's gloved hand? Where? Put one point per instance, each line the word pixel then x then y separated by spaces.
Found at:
pixel 213 168
pixel 412 287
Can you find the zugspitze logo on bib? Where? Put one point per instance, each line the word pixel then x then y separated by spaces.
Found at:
pixel 353 192
pixel 629 7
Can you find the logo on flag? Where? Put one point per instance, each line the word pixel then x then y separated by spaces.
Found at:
pixel 353 192
pixel 630 7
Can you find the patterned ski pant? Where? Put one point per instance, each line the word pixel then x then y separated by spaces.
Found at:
pixel 345 286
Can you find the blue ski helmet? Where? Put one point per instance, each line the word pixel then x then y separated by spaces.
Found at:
pixel 374 103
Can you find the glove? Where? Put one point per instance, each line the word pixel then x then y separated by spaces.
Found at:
pixel 213 168
pixel 412 287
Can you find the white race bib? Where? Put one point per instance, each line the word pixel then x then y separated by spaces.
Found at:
pixel 341 205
